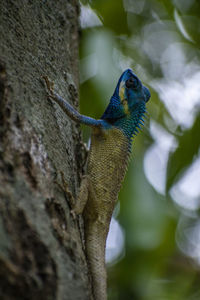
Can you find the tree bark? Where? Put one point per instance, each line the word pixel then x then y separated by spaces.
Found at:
pixel 41 249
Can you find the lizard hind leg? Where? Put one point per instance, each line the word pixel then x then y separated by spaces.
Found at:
pixel 82 198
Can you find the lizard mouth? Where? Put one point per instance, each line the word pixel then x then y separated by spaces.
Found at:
pixel 146 93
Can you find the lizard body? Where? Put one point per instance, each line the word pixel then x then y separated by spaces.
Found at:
pixel 108 158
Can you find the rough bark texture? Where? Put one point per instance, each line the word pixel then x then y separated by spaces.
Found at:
pixel 41 252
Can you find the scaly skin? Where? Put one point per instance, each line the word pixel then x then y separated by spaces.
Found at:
pixel 107 148
pixel 107 163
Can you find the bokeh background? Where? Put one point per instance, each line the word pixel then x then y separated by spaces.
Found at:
pixel 153 248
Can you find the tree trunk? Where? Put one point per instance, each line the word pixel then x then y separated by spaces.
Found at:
pixel 41 252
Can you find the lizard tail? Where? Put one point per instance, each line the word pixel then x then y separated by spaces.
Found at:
pixel 95 250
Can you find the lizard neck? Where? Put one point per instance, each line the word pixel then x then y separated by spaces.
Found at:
pixel 131 122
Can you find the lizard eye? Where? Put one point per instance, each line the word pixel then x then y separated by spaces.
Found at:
pixel 131 83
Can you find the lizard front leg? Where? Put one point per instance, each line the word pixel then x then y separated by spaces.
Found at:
pixel 69 109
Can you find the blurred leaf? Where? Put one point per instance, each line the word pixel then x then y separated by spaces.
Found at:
pixel 184 155
pixel 112 13
pixel 192 24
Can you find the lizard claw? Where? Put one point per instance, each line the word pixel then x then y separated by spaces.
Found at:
pixel 49 84
pixel 72 212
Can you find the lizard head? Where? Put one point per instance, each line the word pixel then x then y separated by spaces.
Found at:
pixel 130 97
pixel 131 91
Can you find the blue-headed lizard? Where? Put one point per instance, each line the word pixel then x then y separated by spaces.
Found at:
pixel 108 157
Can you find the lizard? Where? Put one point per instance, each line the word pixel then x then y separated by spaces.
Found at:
pixel 111 143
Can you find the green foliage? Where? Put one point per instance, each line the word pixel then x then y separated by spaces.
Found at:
pixel 160 41
pixel 184 155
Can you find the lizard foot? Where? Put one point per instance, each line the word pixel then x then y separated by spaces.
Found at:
pixel 64 187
